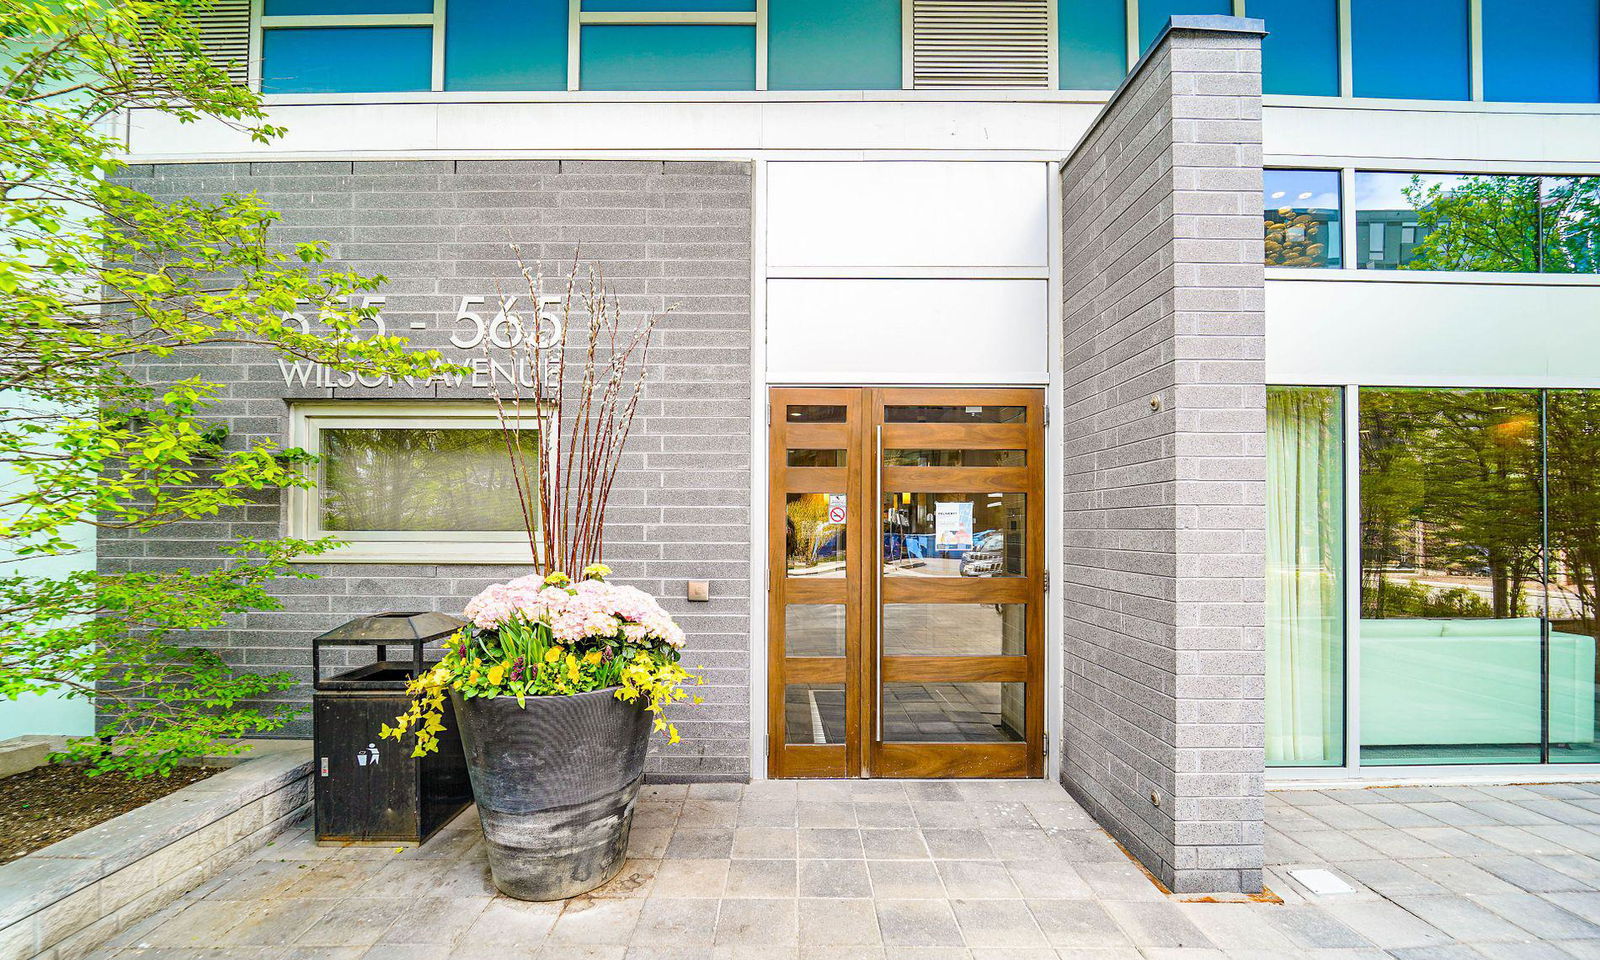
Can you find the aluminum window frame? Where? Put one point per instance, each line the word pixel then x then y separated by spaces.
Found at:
pixel 260 23
pixel 1353 771
pixel 307 420
pixel 1349 268
pixel 577 19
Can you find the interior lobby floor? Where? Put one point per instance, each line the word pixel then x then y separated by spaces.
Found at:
pixel 934 870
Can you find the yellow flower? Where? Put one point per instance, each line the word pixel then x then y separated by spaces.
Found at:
pixel 472 677
pixel 496 674
pixel 592 657
pixel 552 655
pixel 596 571
pixel 572 667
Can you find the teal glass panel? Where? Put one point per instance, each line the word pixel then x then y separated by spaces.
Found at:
pixel 1300 54
pixel 669 6
pixel 1305 577
pixel 346 59
pixel 1430 221
pixel 1300 212
pixel 1572 438
pixel 336 8
pixel 1549 53
pixel 1452 581
pixel 505 45
pixel 1415 50
pixel 668 57
pixel 1093 41
pixel 833 45
pixel 1569 225
pixel 1153 15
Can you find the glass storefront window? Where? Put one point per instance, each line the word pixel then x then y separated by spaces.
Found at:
pixel 1572 438
pixel 833 45
pixel 813 713
pixel 1469 222
pixel 1417 50
pixel 1305 577
pixel 1451 577
pixel 1300 212
pixel 813 630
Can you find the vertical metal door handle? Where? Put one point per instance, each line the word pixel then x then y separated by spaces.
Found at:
pixel 877 598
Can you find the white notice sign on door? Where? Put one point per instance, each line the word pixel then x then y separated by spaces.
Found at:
pixel 952 526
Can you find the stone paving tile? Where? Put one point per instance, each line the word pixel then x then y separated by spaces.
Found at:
pixel 884 870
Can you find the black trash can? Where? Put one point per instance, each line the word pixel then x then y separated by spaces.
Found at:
pixel 369 789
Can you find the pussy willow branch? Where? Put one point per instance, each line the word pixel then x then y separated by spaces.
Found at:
pixel 571 487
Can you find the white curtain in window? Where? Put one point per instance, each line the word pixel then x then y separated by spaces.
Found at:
pixel 1305 550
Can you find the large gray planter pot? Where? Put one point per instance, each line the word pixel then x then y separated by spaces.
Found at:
pixel 555 784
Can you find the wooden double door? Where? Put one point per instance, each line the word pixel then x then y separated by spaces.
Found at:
pixel 906 583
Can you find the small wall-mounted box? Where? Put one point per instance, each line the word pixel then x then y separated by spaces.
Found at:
pixel 699 591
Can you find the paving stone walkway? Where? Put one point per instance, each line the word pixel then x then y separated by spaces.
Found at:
pixel 936 871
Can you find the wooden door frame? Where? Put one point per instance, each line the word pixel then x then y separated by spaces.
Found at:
pixel 858 591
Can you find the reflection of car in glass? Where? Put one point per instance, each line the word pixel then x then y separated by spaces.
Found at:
pixel 986 556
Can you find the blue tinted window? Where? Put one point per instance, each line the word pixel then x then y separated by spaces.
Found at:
pixel 330 8
pixel 670 6
pixel 1153 15
pixel 346 59
pixel 1300 209
pixel 1411 50
pixel 1093 37
pixel 505 45
pixel 668 57
pixel 833 44
pixel 1430 221
pixel 1551 54
pixel 1300 54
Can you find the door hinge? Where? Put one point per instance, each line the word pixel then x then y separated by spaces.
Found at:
pixel 1047 747
pixel 1047 581
pixel 1047 414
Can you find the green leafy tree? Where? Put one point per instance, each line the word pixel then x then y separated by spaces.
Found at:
pixel 110 300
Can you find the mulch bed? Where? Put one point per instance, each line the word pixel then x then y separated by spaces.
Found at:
pixel 41 806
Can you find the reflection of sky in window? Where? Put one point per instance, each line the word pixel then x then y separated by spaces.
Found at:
pixel 1302 189
pixel 1386 191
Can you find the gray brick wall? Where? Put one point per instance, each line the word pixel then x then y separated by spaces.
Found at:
pixel 1164 465
pixel 667 234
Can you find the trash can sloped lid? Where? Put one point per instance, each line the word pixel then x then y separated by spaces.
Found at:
pixel 393 628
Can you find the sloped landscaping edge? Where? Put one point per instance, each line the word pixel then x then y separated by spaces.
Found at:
pixel 69 898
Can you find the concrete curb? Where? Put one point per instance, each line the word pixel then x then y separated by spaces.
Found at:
pixel 64 901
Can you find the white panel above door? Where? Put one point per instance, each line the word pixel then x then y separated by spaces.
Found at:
pixel 907 331
pixel 918 214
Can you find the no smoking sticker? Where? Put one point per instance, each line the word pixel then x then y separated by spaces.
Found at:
pixel 836 508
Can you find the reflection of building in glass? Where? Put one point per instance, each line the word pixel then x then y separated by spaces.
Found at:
pixel 1302 237
pixel 1386 239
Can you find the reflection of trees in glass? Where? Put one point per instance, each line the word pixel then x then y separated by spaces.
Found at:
pixel 1449 489
pixel 1475 223
pixel 420 479
pixel 1570 225
pixel 1573 453
pixel 1504 223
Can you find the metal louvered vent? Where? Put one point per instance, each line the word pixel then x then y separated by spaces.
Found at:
pixel 225 30
pixel 980 43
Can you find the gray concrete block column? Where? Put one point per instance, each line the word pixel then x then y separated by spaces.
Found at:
pixel 1164 538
